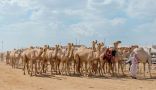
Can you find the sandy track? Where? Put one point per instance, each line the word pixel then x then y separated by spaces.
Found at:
pixel 13 79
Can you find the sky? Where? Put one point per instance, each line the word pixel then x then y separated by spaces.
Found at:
pixel 38 22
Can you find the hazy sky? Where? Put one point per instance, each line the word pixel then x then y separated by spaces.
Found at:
pixel 38 22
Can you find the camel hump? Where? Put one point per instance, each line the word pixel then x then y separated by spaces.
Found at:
pixel 140 49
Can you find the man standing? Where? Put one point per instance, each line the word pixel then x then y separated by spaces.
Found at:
pixel 134 65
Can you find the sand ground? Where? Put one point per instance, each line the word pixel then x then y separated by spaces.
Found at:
pixel 13 79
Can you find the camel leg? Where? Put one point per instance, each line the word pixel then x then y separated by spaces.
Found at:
pixel 112 68
pixel 46 67
pixel 115 67
pixel 31 63
pixel 74 67
pixel 35 68
pixel 122 68
pixel 119 66
pixel 12 63
pixel 62 68
pixel 68 68
pixel 17 63
pixel 24 68
pixel 149 68
pixel 100 68
pixel 86 68
pixel 107 67
pixel 42 67
pixel 28 67
pixel 103 69
pixel 144 64
pixel 51 67
pixel 58 67
pixel 38 66
pixel 139 68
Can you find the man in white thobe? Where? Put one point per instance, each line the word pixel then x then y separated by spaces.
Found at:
pixel 134 66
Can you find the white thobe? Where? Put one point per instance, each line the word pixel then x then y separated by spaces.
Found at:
pixel 134 66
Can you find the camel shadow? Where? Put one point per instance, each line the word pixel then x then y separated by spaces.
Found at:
pixel 43 76
pixel 50 76
pixel 112 77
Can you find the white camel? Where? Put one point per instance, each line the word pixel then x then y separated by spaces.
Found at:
pixel 143 58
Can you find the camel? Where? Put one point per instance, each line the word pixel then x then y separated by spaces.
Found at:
pixel 143 58
pixel 12 58
pixel 81 57
pixel 66 58
pixel 17 57
pixel 102 66
pixel 31 56
pixel 43 60
pixel 96 57
pixel 7 57
pixel 1 56
pixel 51 56
pixel 88 58
pixel 126 53
pixel 70 58
pixel 112 56
pixel 116 56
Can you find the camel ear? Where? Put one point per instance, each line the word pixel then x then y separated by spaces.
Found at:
pixel 72 44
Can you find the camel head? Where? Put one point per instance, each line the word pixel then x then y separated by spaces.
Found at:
pixel 57 47
pixel 133 47
pixel 94 42
pixel 116 44
pixel 31 47
pixel 102 44
pixel 70 46
pixel 98 46
pixel 45 48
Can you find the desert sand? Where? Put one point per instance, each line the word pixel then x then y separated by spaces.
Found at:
pixel 13 79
